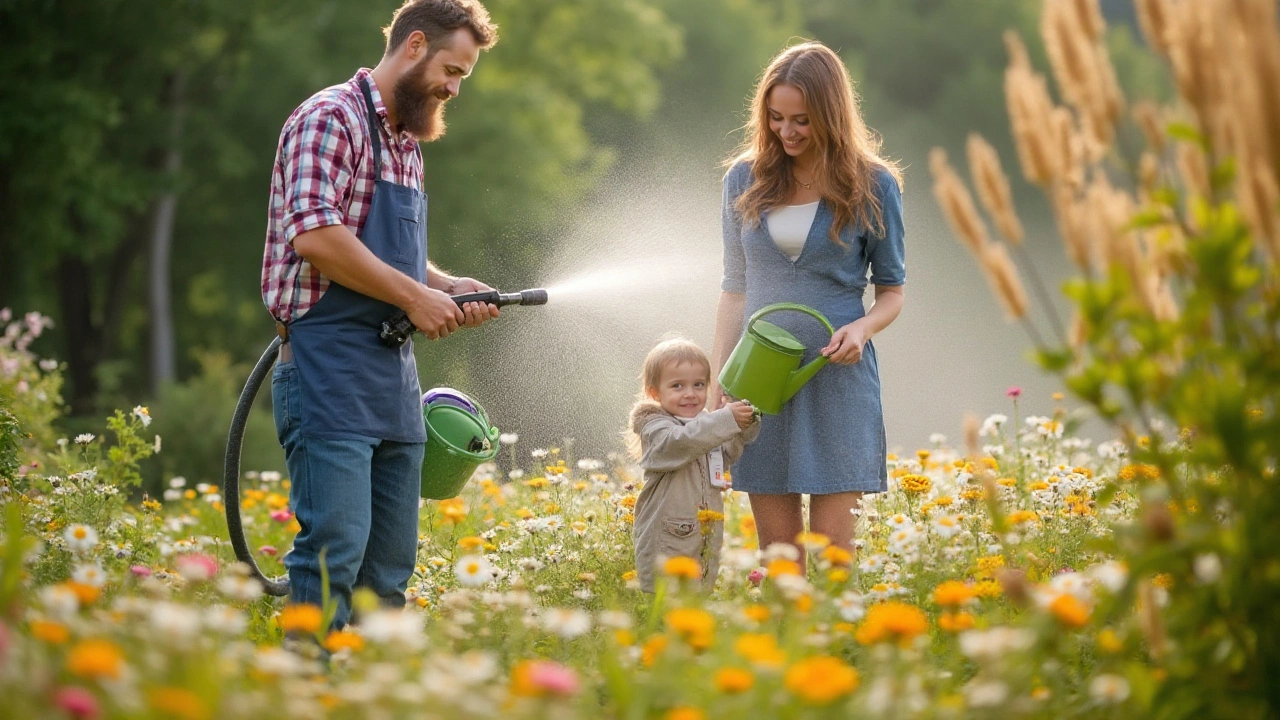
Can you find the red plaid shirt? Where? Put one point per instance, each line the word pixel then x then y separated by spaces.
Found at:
pixel 323 175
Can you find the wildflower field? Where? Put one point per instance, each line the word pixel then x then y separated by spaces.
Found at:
pixel 979 584
pixel 1023 572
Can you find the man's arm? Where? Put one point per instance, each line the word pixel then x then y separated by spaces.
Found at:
pixel 340 256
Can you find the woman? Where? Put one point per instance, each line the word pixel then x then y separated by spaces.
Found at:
pixel 809 208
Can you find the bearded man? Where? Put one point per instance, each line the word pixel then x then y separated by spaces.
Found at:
pixel 346 245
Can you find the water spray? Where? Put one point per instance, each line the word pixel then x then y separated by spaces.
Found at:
pixel 396 331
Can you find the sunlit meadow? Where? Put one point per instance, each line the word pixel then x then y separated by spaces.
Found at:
pixel 975 588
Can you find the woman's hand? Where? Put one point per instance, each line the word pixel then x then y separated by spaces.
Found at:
pixel 716 398
pixel 846 344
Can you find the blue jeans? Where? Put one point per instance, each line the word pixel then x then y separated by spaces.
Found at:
pixel 357 501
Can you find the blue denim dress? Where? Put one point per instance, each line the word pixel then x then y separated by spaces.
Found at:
pixel 829 437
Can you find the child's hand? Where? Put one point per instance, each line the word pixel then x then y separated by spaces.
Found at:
pixel 742 412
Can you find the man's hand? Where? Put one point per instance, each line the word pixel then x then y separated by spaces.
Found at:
pixel 742 412
pixel 474 313
pixel 434 313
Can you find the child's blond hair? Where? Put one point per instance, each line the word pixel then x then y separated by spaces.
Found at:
pixel 674 351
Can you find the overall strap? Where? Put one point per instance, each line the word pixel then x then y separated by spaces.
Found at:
pixel 375 129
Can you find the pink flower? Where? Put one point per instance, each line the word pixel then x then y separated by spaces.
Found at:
pixel 283 516
pixel 197 567
pixel 141 571
pixel 77 702
pixel 268 550
pixel 1014 392
pixel 756 576
pixel 553 678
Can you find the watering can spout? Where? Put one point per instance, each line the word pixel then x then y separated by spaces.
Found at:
pixel 801 376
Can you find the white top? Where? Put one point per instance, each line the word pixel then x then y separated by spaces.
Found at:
pixel 789 227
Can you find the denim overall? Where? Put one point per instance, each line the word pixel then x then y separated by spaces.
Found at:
pixel 349 416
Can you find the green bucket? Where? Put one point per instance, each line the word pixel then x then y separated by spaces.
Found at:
pixel 458 440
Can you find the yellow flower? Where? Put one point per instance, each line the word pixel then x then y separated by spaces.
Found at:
pixel 1007 481
pixel 804 604
pixel 890 621
pixel 1022 516
pixel 95 659
pixel 836 555
pixel 989 564
pixel 682 567
pixel 1069 610
pixel 652 648
pixel 838 575
pixel 303 618
pixel 952 593
pixel 177 702
pixel 760 649
pixel 1109 641
pixel 734 680
pixel 1163 580
pixel 628 502
pixel 944 501
pixel 756 613
pixel 86 594
pixel 1130 473
pixel 454 510
pixel 915 484
pixel 820 680
pixel 625 638
pixel 684 713
pixel 471 542
pixel 537 483
pixel 694 626
pixel 50 632
pixel 987 589
pixel 706 517
pixel 630 575
pixel 524 513
pixel 955 622
pixel 783 566
pixel 747 525
pixel 342 640
pixel 813 541
pixel 972 494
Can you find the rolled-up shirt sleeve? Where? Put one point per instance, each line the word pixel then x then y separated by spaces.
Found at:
pixel 735 260
pixel 886 253
pixel 318 167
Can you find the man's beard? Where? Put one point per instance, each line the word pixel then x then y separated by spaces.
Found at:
pixel 419 108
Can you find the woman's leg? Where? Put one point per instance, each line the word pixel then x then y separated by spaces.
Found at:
pixel 778 519
pixel 832 515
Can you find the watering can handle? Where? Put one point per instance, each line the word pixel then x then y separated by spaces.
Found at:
pixel 776 307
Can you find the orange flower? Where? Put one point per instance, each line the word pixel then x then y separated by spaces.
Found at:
pixel 50 632
pixel 733 680
pixel 684 713
pixel 177 702
pixel 682 567
pixel 952 593
pixel 836 555
pixel 783 566
pixel 1069 610
pixel 820 680
pixel 955 622
pixel 86 594
pixel 756 613
pixel 303 618
pixel 891 621
pixel 342 640
pixel 760 649
pixel 694 626
pixel 652 648
pixel 95 659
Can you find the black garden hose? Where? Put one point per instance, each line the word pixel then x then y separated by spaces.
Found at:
pixel 231 471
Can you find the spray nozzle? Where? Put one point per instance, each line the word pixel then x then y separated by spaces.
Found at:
pixel 396 331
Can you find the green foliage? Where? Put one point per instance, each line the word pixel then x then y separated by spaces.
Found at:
pixel 193 418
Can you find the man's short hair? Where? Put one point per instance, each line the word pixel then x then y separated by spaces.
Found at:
pixel 438 20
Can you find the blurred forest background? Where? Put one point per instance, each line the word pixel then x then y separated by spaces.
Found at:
pixel 137 136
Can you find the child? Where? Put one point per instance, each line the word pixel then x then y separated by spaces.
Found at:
pixel 684 452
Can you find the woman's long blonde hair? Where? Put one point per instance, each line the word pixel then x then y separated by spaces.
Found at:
pixel 848 151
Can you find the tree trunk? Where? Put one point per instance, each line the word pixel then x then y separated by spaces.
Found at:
pixel 83 340
pixel 163 364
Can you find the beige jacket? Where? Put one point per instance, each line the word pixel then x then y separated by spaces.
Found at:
pixel 677 484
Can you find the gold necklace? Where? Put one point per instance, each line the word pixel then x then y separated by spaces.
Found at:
pixel 803 184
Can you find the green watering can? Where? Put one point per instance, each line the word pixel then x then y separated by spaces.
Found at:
pixel 459 438
pixel 764 368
